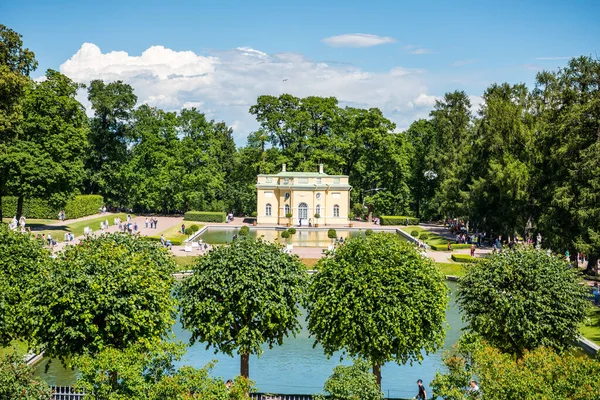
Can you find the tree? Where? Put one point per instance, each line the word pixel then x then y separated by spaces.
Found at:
pixel 113 290
pixel 421 139
pixel 241 296
pixel 45 158
pixel 22 262
pixel 539 374
pixel 378 299
pixel 352 382
pixel 109 136
pixel 141 373
pixel 16 63
pixel 519 300
pixel 17 381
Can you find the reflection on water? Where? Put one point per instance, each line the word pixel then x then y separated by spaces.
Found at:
pixel 297 367
pixel 302 237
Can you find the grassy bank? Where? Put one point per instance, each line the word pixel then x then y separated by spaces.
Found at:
pixel 591 331
pixel 174 234
pixel 454 269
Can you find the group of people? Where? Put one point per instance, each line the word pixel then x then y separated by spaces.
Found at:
pixel 61 215
pixel 151 222
pixel 15 224
pixel 473 390
pixel 127 226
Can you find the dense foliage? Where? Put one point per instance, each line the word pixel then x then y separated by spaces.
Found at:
pixel 352 382
pixel 519 300
pixel 76 207
pixel 17 381
pixel 142 373
pixel 378 299
pixel 22 263
pixel 113 290
pixel 242 296
pixel 539 374
pixel 203 216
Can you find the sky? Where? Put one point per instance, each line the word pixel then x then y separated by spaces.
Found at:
pixel 219 56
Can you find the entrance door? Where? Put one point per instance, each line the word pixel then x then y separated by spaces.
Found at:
pixel 303 214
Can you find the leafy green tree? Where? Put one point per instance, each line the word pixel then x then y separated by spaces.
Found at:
pixel 378 299
pixel 539 374
pixel 17 381
pixel 242 296
pixel 352 382
pixel 113 290
pixel 523 299
pixel 109 137
pixel 421 139
pixel 16 63
pixel 141 373
pixel 22 262
pixel 45 159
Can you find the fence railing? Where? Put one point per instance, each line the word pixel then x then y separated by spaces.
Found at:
pixel 69 393
pixel 66 393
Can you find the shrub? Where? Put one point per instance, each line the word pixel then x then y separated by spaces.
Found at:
pixel 254 214
pixel 331 233
pixel 77 207
pixel 292 231
pixel 424 236
pixel 444 246
pixel 463 258
pixel 244 230
pixel 188 231
pixel 368 232
pixel 285 235
pixel 194 228
pixel 204 216
pixel 398 220
pixel 414 233
pixel 82 206
pixel 317 216
pixel 288 215
pixel 174 242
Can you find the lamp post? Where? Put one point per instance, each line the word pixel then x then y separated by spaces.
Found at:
pixel 370 215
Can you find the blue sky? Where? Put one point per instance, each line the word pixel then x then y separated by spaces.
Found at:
pixel 243 49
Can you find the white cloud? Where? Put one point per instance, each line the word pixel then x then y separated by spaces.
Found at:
pixel 417 49
pixel 357 40
pixel 225 84
pixel 552 58
pixel 532 67
pixel 461 63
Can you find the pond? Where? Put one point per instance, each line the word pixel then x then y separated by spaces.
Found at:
pixel 304 237
pixel 297 367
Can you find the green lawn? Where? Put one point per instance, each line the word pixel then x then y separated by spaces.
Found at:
pixel 433 239
pixel 591 331
pixel 20 346
pixel 454 269
pixel 174 234
pixel 185 262
pixel 310 262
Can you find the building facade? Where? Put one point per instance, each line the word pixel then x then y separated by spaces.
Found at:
pixel 303 194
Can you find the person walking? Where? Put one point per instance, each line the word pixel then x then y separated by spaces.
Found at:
pixel 146 222
pixel 422 395
pixel 182 229
pixel 472 250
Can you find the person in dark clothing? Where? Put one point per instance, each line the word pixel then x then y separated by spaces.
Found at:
pixel 422 395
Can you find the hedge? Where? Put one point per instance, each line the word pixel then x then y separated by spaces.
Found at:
pixel 463 258
pixel 204 216
pixel 77 207
pixel 174 242
pixel 455 246
pixel 398 220
pixel 244 230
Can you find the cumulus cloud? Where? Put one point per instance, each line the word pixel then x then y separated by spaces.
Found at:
pixel 225 84
pixel 357 40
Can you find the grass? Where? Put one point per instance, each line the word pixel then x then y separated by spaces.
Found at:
pixel 454 269
pixel 19 346
pixel 591 330
pixel 310 262
pixel 174 234
pixel 432 240
pixel 185 262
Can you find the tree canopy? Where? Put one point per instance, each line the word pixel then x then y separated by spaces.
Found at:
pixel 378 299
pixel 520 300
pixel 17 381
pixel 242 296
pixel 113 290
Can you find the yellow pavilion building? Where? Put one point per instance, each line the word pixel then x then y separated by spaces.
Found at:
pixel 303 194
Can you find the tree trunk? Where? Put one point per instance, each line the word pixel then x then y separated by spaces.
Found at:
pixel 245 365
pixel 0 209
pixel 377 373
pixel 592 266
pixel 19 207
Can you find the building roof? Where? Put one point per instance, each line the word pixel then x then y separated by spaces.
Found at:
pixel 303 175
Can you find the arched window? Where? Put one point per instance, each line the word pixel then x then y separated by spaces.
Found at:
pixel 287 209
pixel 336 211
pixel 268 210
pixel 318 209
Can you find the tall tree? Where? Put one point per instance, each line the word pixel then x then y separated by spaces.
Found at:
pixel 378 299
pixel 16 63
pixel 242 296
pixel 45 157
pixel 109 291
pixel 523 299
pixel 421 139
pixel 108 137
